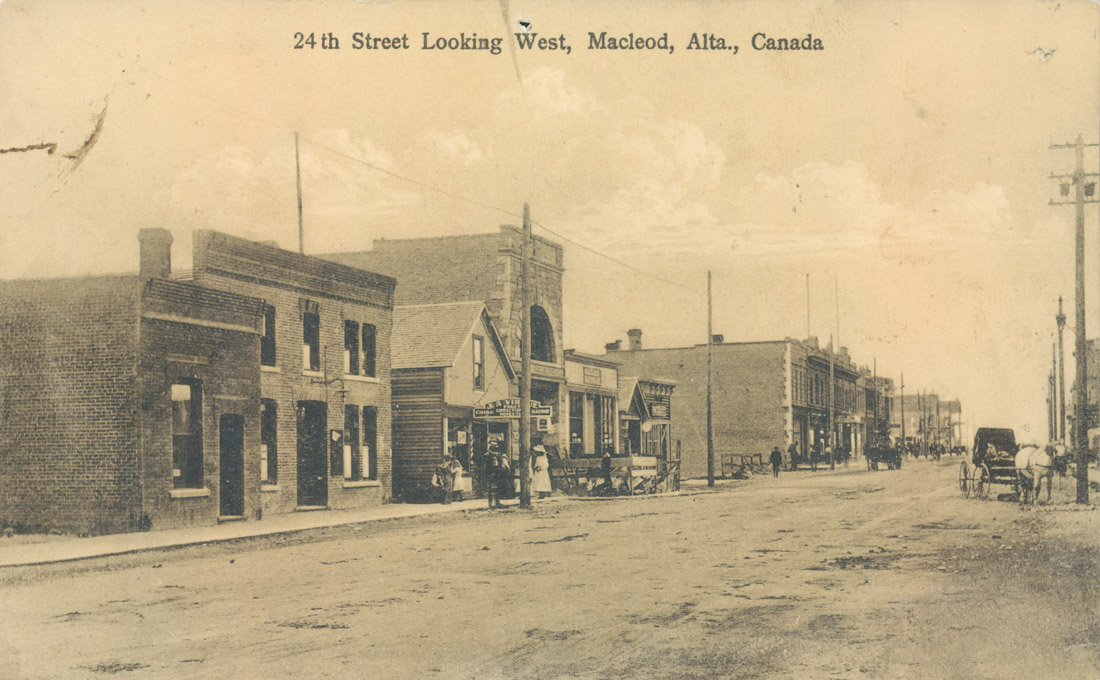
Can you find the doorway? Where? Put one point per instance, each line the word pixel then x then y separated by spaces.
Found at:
pixel 231 476
pixel 312 454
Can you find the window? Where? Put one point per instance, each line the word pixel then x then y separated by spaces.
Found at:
pixel 186 396
pixel 351 348
pixel 368 350
pixel 269 453
pixel 311 341
pixel 360 442
pixel 576 424
pixel 351 442
pixel 607 424
pixel 267 342
pixel 542 335
pixel 368 452
pixel 479 362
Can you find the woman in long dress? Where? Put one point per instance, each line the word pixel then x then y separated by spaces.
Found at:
pixel 540 477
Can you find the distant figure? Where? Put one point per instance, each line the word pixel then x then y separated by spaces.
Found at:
pixel 493 465
pixel 792 450
pixel 776 460
pixel 607 487
pixel 815 455
pixel 830 457
pixel 540 477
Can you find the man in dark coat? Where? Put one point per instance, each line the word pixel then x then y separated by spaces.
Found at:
pixel 776 460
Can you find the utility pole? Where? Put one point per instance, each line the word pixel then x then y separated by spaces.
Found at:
pixel 903 408
pixel 874 383
pixel 830 440
pixel 525 353
pixel 710 423
pixel 1061 319
pixel 808 334
pixel 298 174
pixel 1080 410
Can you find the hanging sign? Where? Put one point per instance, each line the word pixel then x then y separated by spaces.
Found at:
pixel 509 408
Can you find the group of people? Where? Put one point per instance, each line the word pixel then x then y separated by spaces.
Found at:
pixel 499 480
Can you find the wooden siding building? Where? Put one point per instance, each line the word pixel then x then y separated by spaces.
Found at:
pixel 448 361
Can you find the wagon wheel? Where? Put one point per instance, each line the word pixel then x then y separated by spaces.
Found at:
pixel 964 479
pixel 980 482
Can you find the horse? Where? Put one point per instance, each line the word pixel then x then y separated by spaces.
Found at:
pixel 1033 463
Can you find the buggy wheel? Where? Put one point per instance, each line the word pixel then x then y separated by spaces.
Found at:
pixel 979 482
pixel 964 481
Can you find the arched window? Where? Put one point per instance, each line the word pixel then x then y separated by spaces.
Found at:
pixel 542 336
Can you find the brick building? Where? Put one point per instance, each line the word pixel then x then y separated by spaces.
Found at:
pixel 764 394
pixel 324 371
pixel 486 268
pixel 129 402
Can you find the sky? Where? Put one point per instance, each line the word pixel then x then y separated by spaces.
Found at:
pixel 904 167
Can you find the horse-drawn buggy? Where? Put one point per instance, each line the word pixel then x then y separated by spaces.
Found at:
pixel 997 459
pixel 884 453
pixel 993 461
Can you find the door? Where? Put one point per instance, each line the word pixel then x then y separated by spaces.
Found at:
pixel 479 446
pixel 231 447
pixel 312 454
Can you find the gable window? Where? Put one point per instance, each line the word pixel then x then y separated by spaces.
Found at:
pixel 267 342
pixel 269 454
pixel 368 350
pixel 186 397
pixel 311 341
pixel 351 348
pixel 479 362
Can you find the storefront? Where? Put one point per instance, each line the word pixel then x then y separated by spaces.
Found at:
pixel 592 385
pixel 452 384
pixel 645 418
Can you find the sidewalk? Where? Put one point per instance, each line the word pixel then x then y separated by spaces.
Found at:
pixel 74 548
pixel 68 549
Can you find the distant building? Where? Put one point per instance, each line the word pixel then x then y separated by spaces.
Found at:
pixel 765 394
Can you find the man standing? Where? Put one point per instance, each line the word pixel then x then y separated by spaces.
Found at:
pixel 792 451
pixel 776 460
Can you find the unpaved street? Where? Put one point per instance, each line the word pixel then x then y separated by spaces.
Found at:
pixel 852 574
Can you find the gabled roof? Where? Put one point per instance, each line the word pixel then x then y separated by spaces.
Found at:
pixel 431 336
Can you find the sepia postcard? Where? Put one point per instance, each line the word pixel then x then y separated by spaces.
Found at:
pixel 561 339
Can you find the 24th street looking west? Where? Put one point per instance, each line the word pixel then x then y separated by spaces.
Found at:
pixel 602 41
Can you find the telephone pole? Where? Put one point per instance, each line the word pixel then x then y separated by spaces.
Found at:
pixel 1061 319
pixel 903 410
pixel 1080 406
pixel 710 424
pixel 525 353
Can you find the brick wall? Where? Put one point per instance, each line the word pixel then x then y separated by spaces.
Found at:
pixel 748 386
pixel 287 281
pixel 68 456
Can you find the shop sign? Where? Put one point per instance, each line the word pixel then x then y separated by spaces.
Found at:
pixel 509 408
pixel 593 376
pixel 659 406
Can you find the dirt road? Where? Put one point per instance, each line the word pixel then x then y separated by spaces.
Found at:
pixel 852 574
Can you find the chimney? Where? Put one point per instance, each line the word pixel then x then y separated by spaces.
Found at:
pixel 717 338
pixel 613 346
pixel 156 253
pixel 634 336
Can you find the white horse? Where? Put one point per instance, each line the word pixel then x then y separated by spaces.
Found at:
pixel 1034 463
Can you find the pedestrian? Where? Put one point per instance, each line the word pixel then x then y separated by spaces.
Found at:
pixel 492 474
pixel 830 457
pixel 444 479
pixel 776 460
pixel 815 455
pixel 540 477
pixel 607 488
pixel 792 451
